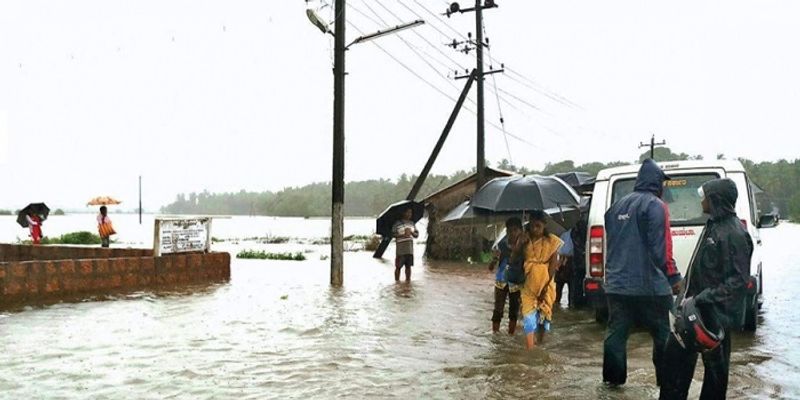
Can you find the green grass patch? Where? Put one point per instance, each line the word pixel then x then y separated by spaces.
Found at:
pixel 263 255
pixel 81 237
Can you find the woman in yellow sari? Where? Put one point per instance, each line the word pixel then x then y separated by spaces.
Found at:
pixel 539 290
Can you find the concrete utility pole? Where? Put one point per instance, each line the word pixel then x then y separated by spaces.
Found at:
pixel 479 44
pixel 652 145
pixel 339 72
pixel 481 159
pixel 337 199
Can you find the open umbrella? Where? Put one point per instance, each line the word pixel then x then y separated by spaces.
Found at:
pixel 580 181
pixel 39 209
pixel 488 222
pixel 525 193
pixel 103 201
pixel 383 225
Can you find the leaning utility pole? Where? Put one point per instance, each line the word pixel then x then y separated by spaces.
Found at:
pixel 652 146
pixel 337 199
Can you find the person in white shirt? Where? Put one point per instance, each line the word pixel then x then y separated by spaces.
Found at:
pixel 404 234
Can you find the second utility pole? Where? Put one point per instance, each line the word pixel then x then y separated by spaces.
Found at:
pixel 652 145
pixel 481 161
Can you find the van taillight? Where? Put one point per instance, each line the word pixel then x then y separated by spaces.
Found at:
pixel 596 249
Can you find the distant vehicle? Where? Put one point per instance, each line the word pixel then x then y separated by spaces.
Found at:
pixel 686 218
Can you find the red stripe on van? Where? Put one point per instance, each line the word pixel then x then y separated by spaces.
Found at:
pixel 670 261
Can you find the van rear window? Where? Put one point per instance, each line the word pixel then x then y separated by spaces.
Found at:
pixel 680 194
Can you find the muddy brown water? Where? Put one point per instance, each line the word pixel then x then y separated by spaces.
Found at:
pixel 277 330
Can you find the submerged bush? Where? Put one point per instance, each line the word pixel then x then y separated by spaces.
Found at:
pixel 263 255
pixel 81 237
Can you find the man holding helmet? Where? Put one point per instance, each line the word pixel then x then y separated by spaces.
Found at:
pixel 712 302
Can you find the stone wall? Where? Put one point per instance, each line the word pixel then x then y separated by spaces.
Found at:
pixel 24 281
pixel 449 242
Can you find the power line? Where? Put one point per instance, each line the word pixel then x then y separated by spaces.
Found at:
pixel 386 23
pixel 439 90
pixel 421 36
pixel 499 107
pixel 524 80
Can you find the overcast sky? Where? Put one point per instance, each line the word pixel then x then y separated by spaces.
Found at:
pixel 230 95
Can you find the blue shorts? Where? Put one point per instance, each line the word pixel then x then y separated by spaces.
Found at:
pixel 530 323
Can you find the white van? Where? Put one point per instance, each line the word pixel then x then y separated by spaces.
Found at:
pixel 687 220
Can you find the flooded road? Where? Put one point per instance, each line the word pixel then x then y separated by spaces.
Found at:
pixel 277 330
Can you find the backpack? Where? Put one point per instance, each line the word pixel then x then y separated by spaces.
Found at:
pixel 515 272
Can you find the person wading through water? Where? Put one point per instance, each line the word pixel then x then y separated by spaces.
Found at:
pixel 716 283
pixel 641 275
pixel 507 282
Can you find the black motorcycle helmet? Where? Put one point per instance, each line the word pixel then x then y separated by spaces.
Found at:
pixel 691 332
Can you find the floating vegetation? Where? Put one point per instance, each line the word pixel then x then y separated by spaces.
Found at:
pixel 263 255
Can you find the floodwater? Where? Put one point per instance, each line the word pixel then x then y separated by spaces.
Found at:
pixel 277 330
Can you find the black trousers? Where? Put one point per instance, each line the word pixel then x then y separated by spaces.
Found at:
pixel 500 304
pixel 681 362
pixel 623 313
pixel 576 298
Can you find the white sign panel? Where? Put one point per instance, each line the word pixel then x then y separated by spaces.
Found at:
pixel 182 235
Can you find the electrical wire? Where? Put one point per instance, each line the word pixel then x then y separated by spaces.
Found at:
pixel 522 79
pixel 413 50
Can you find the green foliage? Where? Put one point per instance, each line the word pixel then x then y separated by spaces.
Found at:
pixel 364 198
pixel 58 212
pixel 81 237
pixel 6 212
pixel 369 198
pixel 779 181
pixel 665 154
pixel 263 255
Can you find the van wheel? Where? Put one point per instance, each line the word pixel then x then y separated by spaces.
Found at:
pixel 601 315
pixel 751 315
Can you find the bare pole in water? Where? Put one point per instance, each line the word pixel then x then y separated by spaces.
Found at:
pixel 337 199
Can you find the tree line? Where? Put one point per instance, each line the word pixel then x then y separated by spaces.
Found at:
pixel 370 197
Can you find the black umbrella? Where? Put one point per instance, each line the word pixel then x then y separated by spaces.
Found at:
pixel 524 193
pixel 579 181
pixel 393 213
pixel 39 209
pixel 466 215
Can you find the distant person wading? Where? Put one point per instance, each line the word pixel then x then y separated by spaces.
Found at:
pixel 404 234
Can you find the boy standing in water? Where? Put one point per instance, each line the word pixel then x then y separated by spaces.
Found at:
pixel 505 283
pixel 404 234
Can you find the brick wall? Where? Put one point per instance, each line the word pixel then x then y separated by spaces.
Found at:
pixel 45 280
pixel 14 252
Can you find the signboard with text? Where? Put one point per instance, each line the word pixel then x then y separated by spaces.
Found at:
pixel 182 235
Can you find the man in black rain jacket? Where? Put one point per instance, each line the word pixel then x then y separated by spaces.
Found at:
pixel 717 280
